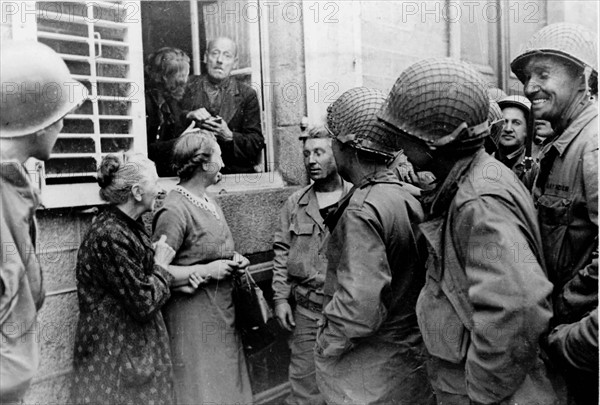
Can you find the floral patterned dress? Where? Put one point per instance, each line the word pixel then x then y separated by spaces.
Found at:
pixel 122 353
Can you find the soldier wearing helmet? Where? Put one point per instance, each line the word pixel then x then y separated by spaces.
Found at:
pixel 37 92
pixel 485 303
pixel 559 71
pixel 513 137
pixel 369 349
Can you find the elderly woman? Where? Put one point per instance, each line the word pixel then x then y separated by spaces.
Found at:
pixel 167 72
pixel 208 359
pixel 122 351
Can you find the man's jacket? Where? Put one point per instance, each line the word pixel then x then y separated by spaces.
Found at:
pixel 22 290
pixel 240 109
pixel 486 299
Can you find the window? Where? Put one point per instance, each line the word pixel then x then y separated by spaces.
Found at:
pixel 491 34
pixel 188 25
pixel 103 45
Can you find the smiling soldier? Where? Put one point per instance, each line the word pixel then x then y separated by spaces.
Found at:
pixel 560 73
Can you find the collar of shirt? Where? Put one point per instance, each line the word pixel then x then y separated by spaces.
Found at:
pixel 14 173
pixel 564 140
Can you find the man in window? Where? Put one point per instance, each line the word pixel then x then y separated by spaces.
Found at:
pixel 299 271
pixel 227 107
pixel 167 72
pixel 559 72
pixel 32 108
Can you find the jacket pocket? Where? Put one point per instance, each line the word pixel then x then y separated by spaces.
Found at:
pixel 302 253
pixel 554 210
pixel 555 217
pixel 444 334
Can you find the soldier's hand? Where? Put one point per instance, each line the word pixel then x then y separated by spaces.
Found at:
pixel 283 312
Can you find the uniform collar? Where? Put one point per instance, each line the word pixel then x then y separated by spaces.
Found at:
pixel 562 142
pixel 16 174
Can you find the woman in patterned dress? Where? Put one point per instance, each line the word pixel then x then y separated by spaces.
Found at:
pixel 208 359
pixel 122 353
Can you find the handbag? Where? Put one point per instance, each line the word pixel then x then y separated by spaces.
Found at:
pixel 252 312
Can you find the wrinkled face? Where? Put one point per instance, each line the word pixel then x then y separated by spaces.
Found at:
pixel 318 159
pixel 150 189
pixel 543 129
pixel 44 141
pixel 214 166
pixel 175 84
pixel 220 59
pixel 550 86
pixel 514 132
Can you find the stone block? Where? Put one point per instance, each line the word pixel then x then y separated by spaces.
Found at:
pixel 253 217
pixel 58 268
pixel 57 322
pixel 290 163
pixel 50 391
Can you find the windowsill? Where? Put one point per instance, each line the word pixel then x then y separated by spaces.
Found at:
pixel 86 194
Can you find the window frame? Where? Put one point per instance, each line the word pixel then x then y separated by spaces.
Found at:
pixel 86 194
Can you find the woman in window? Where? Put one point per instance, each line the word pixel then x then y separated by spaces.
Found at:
pixel 208 358
pixel 122 351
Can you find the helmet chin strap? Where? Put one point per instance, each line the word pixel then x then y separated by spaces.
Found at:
pixel 470 134
pixel 587 74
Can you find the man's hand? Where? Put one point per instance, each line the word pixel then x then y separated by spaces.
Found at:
pixel 283 312
pixel 199 115
pixel 219 127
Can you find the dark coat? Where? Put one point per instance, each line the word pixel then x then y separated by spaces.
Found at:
pixel 122 353
pixel 241 111
pixel 164 123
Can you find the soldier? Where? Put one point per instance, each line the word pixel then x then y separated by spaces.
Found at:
pixel 485 303
pixel 369 349
pixel 559 70
pixel 512 148
pixel 37 92
pixel 299 272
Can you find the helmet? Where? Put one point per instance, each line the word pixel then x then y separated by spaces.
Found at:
pixel 37 88
pixel 496 120
pixel 352 119
pixel 496 94
pixel 440 101
pixel 572 42
pixel 516 101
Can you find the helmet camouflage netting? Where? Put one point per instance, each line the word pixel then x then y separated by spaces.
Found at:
pixel 440 101
pixel 352 118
